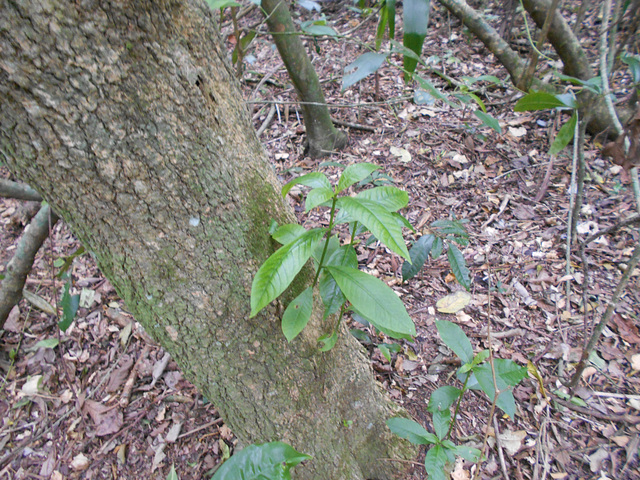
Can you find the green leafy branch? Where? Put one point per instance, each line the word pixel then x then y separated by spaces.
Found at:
pixel 475 373
pixel 444 234
pixel 341 284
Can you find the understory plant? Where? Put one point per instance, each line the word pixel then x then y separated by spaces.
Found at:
pixel 494 377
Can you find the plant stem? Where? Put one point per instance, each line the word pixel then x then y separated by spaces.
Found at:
pixel 326 243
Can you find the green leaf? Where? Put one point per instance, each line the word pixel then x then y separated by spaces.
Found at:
pixel 565 135
pixel 312 28
pixel 509 371
pixel 468 453
pixel 505 400
pixel 391 7
pixel 539 101
pixel 435 461
pixel 435 93
pixel 379 221
pixel 216 4
pixel 332 296
pixel 450 227
pixel 47 343
pixel 258 462
pixel 387 348
pixel 488 120
pixel 375 300
pixel 391 199
pixel 317 197
pixel 362 67
pixel 436 248
pixel 70 305
pixel 382 25
pixel 458 265
pixel 313 180
pixel 443 398
pixel 275 275
pixel 454 338
pixel 418 253
pixel 410 430
pixel 288 233
pixel 297 314
pixel 354 173
pixel 441 422
pixel 337 255
pixel 328 340
pixel 172 473
pixel 633 61
pixel 416 21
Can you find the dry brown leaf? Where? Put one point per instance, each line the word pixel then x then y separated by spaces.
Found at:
pixel 108 420
pixel 119 376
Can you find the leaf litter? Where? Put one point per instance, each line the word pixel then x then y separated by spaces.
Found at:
pixel 61 407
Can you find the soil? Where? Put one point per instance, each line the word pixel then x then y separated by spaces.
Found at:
pixel 107 402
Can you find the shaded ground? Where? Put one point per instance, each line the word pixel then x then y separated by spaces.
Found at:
pixel 93 415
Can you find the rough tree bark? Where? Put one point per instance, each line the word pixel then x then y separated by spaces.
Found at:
pixel 127 119
pixel 322 136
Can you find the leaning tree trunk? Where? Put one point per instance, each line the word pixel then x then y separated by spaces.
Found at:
pixel 126 117
pixel 322 136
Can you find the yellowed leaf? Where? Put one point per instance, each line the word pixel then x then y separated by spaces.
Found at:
pixel 453 302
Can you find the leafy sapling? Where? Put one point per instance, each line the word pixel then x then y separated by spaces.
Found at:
pixel 272 460
pixel 444 234
pixel 342 286
pixel 475 373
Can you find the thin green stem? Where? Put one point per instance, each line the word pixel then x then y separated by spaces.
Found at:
pixel 455 412
pixel 326 243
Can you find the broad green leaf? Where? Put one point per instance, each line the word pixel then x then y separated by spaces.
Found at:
pixel 427 86
pixel 173 475
pixel 70 305
pixel 379 221
pixel 337 255
pixel 484 377
pixel 375 300
pixel 410 430
pixel 509 371
pixel 47 343
pixel 328 341
pixel 313 180
pixel 450 227
pixel 258 462
pixel 454 338
pixel 353 174
pixel 288 233
pixel 387 348
pixel 416 21
pixel 391 199
pixel 436 248
pixel 539 101
pixel 468 453
pixel 361 336
pixel 317 197
pixel 309 5
pixel 488 120
pixel 297 314
pixel 443 398
pixel 312 28
pixel 216 4
pixel 633 61
pixel 275 275
pixel 403 222
pixel 441 422
pixel 435 461
pixel 332 296
pixel 564 136
pixel 594 84
pixel 418 253
pixel 362 67
pixel 458 265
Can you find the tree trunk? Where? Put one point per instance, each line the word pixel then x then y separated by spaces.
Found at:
pixel 322 137
pixel 127 118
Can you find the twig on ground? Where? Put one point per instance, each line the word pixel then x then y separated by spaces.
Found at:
pixel 355 126
pixel 128 385
pixel 503 464
pixel 631 419
pixel 267 120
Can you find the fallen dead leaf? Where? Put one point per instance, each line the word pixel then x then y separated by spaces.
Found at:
pixel 512 441
pixel 80 462
pixel 596 459
pixel 108 420
pixel 453 302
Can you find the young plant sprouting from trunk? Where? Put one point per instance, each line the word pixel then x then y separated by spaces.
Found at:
pixel 339 281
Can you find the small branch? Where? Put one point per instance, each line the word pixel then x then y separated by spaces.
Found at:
pixel 355 126
pixel 17 190
pixel 630 419
pixel 267 121
pixel 20 265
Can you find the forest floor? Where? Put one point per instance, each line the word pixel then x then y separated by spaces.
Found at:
pixel 69 412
